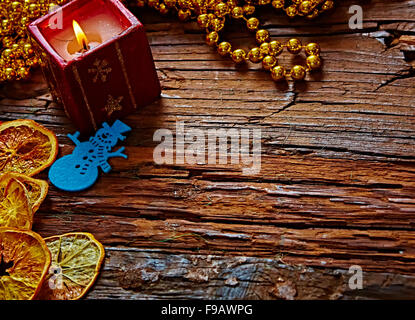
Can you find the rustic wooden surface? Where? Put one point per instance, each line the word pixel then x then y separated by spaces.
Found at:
pixel 337 185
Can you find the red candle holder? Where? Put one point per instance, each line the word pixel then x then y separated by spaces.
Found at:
pixel 112 78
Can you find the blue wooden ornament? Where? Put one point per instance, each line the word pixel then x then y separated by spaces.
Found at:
pixel 79 170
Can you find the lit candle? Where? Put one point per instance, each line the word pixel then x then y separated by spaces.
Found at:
pixel 96 30
pixel 99 64
pixel 81 38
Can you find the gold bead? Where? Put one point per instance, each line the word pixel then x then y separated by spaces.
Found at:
pixel 232 3
pixel 7 54
pixel 26 3
pixel 9 73
pixel 203 20
pixel 328 5
pixel 264 2
pixel 278 4
pixel 7 42
pixel 170 3
pixel 313 15
pixel 252 23
pixel 34 10
pixel 184 14
pixel 217 24
pixel 163 9
pixel 20 63
pixel 294 46
pixel 6 26
pixel 298 72
pixel 24 22
pixel 237 12
pixel 278 73
pixel 248 9
pixel 306 7
pixel 238 55
pixel 312 49
pixel 255 55
pixel 314 62
pixel 16 6
pixel 221 9
pixel 291 11
pixel 22 41
pixel 264 47
pixel 262 36
pixel 212 38
pixel 17 50
pixel 268 62
pixel 224 48
pixel 33 62
pixel 23 73
pixel 275 48
pixel 27 49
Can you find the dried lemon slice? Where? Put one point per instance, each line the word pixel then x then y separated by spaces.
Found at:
pixel 37 189
pixel 24 263
pixel 76 260
pixel 26 147
pixel 15 208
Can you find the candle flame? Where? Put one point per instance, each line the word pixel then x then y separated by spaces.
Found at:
pixel 80 35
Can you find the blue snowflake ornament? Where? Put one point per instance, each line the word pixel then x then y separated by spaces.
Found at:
pixel 79 170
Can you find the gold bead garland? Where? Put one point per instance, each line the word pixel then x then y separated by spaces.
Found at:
pixel 211 15
pixel 17 56
pixel 16 53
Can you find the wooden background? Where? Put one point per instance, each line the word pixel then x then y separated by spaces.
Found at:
pixel 336 189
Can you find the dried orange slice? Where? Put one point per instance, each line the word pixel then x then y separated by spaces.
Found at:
pixel 15 208
pixel 76 260
pixel 24 263
pixel 37 189
pixel 26 147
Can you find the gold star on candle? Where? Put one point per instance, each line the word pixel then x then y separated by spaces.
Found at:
pixel 101 70
pixel 113 105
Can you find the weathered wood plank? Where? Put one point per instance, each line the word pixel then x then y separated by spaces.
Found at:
pixel 141 274
pixel 329 192
pixel 375 250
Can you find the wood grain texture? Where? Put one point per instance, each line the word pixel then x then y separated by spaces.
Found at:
pixel 337 180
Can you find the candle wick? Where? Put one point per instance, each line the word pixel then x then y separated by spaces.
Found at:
pixel 84 45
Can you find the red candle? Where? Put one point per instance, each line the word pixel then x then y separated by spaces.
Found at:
pixel 98 65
